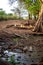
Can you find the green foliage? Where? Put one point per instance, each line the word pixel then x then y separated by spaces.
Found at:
pixel 10 16
pixel 2 15
pixel 2 12
pixel 33 7
pixel 12 61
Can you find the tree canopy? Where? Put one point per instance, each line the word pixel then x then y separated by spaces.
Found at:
pixel 33 6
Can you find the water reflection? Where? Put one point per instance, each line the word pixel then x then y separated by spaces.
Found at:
pixel 23 58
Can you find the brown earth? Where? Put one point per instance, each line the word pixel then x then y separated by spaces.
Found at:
pixel 3 24
pixel 8 30
pixel 18 22
pixel 17 38
pixel 9 27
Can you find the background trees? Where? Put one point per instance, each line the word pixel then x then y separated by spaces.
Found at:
pixel 33 6
pixel 17 12
pixel 2 14
pixel 9 16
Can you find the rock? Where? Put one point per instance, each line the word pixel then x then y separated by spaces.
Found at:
pixel 25 49
pixel 6 52
pixel 11 53
pixel 3 59
pixel 19 57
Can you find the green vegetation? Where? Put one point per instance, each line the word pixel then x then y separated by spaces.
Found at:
pixel 12 60
pixel 10 16
pixel 33 7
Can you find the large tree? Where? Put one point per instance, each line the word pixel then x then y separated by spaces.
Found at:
pixel 34 8
pixel 38 25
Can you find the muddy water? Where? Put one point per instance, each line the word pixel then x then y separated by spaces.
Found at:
pixel 23 58
pixel 33 55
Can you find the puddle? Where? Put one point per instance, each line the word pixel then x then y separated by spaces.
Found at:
pixel 22 58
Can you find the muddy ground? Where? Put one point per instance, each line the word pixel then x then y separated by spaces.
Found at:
pixel 12 38
pixel 23 35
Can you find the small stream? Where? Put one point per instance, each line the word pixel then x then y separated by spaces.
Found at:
pixel 22 58
pixel 35 55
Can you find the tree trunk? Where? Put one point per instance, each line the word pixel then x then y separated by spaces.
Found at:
pixel 35 18
pixel 29 16
pixel 38 25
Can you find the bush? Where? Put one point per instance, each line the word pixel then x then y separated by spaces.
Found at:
pixel 9 17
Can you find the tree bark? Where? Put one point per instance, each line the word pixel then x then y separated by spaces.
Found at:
pixel 38 25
